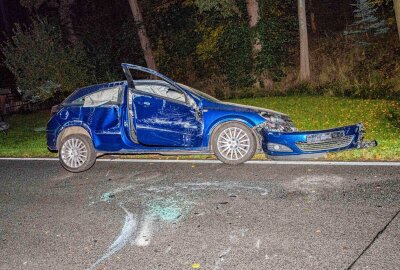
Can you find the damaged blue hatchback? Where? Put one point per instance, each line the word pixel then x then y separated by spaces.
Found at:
pixel 161 116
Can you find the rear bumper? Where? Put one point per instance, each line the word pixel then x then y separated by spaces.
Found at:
pixel 296 145
pixel 51 133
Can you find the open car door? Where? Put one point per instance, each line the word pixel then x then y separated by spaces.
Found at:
pixel 162 113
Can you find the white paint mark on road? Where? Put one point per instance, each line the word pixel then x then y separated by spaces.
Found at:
pixel 123 238
pixel 139 231
pixel 258 244
pixel 221 258
pixel 262 162
pixel 259 162
pixel 217 186
pixel 145 232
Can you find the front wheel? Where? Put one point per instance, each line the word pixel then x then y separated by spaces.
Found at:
pixel 234 143
pixel 77 153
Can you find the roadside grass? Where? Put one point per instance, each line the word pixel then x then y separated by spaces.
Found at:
pixel 22 140
pixel 26 138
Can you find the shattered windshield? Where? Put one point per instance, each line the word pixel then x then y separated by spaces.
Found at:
pixel 199 93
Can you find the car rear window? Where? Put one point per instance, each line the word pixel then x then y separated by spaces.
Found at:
pixel 109 96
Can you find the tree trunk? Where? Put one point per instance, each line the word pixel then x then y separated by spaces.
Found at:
pixel 254 17
pixel 144 39
pixel 313 20
pixel 396 5
pixel 304 52
pixel 65 12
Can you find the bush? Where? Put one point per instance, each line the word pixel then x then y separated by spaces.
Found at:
pixel 44 67
pixel 235 55
pixel 393 115
pixel 352 70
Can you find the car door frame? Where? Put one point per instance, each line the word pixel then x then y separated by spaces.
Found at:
pixel 126 67
pixel 190 101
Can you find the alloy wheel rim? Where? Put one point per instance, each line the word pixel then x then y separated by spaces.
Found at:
pixel 74 153
pixel 233 143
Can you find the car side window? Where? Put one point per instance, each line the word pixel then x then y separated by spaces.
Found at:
pixel 109 96
pixel 162 90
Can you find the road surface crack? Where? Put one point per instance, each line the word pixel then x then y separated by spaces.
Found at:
pixel 373 240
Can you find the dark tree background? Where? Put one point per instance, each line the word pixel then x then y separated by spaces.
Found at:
pixel 212 45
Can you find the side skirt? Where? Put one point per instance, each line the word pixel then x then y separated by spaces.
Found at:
pixel 164 152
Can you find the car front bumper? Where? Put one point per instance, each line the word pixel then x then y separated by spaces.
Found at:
pixel 310 144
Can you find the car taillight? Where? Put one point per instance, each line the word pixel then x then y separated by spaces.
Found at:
pixel 54 110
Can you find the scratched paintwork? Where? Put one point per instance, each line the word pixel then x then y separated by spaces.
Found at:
pixel 145 122
pixel 166 122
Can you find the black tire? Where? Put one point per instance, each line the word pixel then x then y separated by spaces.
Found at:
pixel 235 149
pixel 66 148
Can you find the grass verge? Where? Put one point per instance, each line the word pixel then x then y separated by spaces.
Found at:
pixel 26 138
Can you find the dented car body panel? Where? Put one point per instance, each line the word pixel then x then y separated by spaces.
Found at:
pixel 160 122
pixel 162 116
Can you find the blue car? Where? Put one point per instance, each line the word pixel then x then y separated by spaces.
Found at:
pixel 164 117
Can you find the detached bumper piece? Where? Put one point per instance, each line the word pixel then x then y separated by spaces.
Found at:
pixel 313 144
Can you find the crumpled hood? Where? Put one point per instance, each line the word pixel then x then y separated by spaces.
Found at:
pixel 240 107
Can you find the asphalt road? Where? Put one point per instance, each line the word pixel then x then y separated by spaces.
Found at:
pixel 199 216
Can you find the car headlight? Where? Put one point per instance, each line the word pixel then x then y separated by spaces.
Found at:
pixel 276 122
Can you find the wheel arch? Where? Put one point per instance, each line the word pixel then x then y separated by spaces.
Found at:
pixel 221 122
pixel 72 129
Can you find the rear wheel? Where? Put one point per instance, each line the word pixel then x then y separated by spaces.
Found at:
pixel 234 143
pixel 77 153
